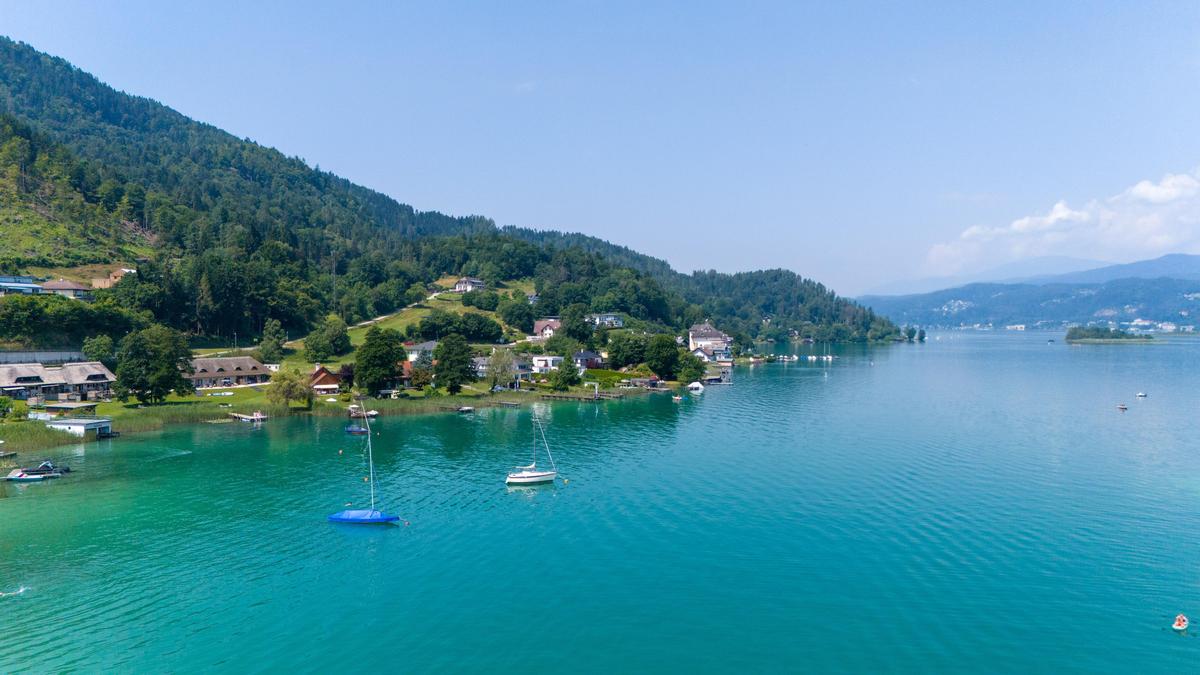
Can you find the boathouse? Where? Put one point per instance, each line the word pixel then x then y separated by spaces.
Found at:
pixel 88 428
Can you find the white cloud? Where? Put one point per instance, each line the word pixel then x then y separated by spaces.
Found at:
pixel 1146 220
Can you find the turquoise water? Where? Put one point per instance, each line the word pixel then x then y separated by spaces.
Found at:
pixel 972 504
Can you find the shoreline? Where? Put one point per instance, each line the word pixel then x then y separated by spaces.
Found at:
pixel 32 436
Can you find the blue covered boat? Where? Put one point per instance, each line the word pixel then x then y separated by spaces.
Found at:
pixel 369 516
pixel 365 516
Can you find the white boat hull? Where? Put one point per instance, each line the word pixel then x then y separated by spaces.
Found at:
pixel 531 477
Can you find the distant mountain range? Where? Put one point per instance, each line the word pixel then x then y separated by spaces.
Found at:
pixel 1020 270
pixel 1162 289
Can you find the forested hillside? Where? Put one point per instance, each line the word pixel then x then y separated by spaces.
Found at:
pixel 57 210
pixel 234 233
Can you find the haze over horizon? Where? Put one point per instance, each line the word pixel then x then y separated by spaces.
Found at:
pixel 854 146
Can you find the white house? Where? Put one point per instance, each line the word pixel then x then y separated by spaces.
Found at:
pixel 468 284
pixel 544 328
pixel 544 363
pixel 705 335
pixel 607 319
pixel 415 351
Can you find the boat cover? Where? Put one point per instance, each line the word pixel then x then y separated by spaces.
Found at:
pixel 364 516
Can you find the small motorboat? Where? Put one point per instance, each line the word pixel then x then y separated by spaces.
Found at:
pixel 1122 407
pixel 677 399
pixel 1181 623
pixel 20 476
pixel 464 409
pixel 357 430
pixel 1141 394
pixel 46 468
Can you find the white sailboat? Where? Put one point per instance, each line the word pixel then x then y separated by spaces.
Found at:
pixel 529 474
pixel 369 516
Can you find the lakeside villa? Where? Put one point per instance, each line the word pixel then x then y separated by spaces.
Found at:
pixel 709 344
pixel 87 380
pixel 227 371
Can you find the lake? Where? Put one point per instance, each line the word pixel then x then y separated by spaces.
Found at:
pixel 976 503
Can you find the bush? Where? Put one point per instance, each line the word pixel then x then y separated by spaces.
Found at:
pixel 485 300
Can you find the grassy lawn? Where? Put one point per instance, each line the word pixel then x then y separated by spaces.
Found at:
pixel 401 320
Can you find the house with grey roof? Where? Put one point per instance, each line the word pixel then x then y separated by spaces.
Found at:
pixel 30 380
pixel 227 371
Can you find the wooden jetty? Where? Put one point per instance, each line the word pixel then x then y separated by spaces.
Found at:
pixel 595 396
pixel 256 417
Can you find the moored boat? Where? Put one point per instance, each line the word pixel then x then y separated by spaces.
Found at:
pixel 357 430
pixel 46 468
pixel 20 476
pixel 529 473
pixel 368 516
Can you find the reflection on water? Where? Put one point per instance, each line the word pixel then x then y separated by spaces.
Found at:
pixel 977 480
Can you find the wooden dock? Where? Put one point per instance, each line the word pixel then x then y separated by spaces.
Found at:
pixel 256 417
pixel 599 396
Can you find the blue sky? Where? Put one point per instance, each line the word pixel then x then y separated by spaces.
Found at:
pixel 855 144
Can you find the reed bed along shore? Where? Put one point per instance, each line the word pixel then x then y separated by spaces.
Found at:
pixel 132 418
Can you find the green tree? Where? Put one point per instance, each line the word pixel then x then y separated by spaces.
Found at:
pixel 485 300
pixel 377 361
pixel 501 368
pixel 691 368
pixel 626 349
pixel 100 348
pixel 575 324
pixel 479 328
pixel 151 363
pixel 19 410
pixel 565 377
pixel 270 348
pixel 910 333
pixel 453 363
pixel 330 339
pixel 562 345
pixel 289 385
pixel 921 335
pixel 439 322
pixel 662 356
pixel 422 372
pixel 519 314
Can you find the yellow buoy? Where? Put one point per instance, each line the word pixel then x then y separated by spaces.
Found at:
pixel 365 479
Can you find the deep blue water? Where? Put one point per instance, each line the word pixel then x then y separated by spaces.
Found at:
pixel 976 503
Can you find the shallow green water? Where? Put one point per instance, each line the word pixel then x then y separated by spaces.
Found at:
pixel 975 503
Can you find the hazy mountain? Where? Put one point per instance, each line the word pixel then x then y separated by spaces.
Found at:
pixel 1174 265
pixel 1159 299
pixel 1010 272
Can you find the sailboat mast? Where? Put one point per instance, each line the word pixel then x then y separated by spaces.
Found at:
pixel 370 459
